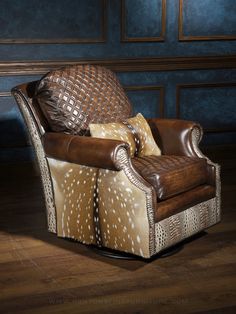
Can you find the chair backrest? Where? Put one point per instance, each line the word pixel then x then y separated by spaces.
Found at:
pixel 24 94
pixel 37 126
pixel 98 96
pixel 73 97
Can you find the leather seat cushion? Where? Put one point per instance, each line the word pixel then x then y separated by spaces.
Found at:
pixel 183 201
pixel 171 175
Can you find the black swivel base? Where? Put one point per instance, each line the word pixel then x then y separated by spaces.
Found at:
pixel 122 255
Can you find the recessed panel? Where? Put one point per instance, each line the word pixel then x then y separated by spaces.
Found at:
pixel 147 102
pixel 50 21
pixel 213 106
pixel 208 18
pixel 143 20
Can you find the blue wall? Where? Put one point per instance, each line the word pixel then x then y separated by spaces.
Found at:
pixel 34 33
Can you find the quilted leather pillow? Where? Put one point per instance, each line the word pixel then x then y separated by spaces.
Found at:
pixel 72 97
pixel 135 131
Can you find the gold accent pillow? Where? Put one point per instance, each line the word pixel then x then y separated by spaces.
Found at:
pixel 135 131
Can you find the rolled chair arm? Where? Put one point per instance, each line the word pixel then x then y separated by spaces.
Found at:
pixel 83 150
pixel 176 137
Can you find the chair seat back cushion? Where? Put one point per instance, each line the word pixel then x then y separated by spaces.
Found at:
pixel 73 97
pixel 135 131
pixel 171 175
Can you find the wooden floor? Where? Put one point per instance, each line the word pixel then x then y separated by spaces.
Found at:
pixel 40 273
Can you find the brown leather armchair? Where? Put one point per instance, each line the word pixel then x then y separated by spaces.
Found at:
pixel 96 193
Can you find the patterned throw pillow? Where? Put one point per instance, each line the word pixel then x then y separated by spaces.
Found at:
pixel 135 131
pixel 73 97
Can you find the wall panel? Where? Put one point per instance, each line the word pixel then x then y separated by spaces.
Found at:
pixel 143 21
pixel 207 20
pixel 213 105
pixel 147 99
pixel 32 22
pixel 177 58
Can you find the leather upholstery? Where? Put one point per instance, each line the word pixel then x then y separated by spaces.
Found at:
pixel 26 91
pixel 183 201
pixel 211 174
pixel 83 150
pixel 120 210
pixel 174 136
pixel 73 97
pixel 171 175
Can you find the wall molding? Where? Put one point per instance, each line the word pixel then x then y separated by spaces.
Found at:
pixel 5 94
pixel 101 39
pixel 10 68
pixel 182 37
pixel 203 85
pixel 159 88
pixel 125 38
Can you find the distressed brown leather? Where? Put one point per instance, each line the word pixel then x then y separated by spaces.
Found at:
pixel 183 201
pixel 174 136
pixel 73 97
pixel 83 150
pixel 171 175
pixel 26 91
pixel 211 175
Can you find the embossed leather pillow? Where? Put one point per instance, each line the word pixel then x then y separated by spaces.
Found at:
pixel 135 131
pixel 73 97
